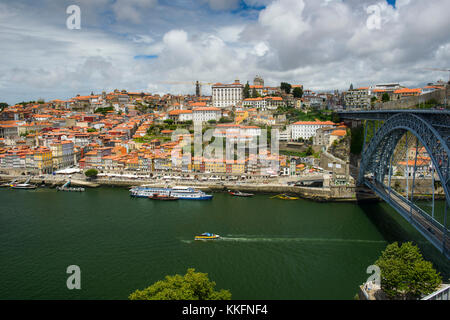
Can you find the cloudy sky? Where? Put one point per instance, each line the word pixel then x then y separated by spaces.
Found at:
pixel 140 45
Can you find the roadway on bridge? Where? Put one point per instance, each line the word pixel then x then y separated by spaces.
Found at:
pixel 432 230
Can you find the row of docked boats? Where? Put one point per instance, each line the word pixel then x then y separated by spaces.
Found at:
pixel 16 185
pixel 186 193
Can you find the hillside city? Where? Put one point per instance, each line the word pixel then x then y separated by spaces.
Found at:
pixel 129 134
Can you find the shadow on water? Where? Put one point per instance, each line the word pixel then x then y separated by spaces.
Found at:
pixel 395 228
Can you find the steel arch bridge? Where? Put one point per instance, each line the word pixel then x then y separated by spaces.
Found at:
pixel 432 130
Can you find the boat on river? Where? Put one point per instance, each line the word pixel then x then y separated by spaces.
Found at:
pixel 207 236
pixel 26 185
pixel 182 193
pixel 240 194
pixel 162 197
pixel 285 197
pixel 8 184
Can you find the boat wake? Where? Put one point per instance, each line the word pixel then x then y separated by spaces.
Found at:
pixel 242 238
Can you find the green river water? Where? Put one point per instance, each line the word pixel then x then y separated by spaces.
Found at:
pixel 271 249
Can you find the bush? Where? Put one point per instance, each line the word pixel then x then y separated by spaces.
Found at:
pixel 91 173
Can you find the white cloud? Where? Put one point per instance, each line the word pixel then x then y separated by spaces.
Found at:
pixel 130 10
pixel 301 41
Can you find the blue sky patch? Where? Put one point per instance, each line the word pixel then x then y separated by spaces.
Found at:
pixel 145 57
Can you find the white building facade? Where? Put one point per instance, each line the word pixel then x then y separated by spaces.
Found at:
pixel 205 114
pixel 227 95
pixel 307 129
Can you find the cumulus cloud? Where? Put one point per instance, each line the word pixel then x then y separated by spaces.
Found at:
pixel 130 10
pixel 324 47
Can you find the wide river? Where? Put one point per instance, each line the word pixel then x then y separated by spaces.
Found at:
pixel 271 248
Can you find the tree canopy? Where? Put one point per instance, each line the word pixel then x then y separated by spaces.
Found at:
pixel 385 97
pixel 192 286
pixel 297 92
pixel 246 92
pixel 3 105
pixel 91 173
pixel 405 274
pixel 286 87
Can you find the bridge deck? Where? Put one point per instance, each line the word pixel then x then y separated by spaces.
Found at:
pixel 385 114
pixel 429 228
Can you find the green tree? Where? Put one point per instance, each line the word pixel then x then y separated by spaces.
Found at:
pixel 104 111
pixel 91 130
pixel 212 121
pixel 91 173
pixel 246 92
pixel 3 105
pixel 255 93
pixel 168 121
pixel 225 120
pixel 286 87
pixel 405 274
pixel 192 286
pixel 385 97
pixel 297 92
pixel 309 151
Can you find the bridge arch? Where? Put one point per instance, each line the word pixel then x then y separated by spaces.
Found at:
pixel 377 155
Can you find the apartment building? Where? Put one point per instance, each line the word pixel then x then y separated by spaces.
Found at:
pixel 357 98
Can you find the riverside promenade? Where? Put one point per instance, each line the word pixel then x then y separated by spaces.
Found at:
pixel 275 186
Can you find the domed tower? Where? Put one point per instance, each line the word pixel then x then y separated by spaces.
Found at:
pixel 258 81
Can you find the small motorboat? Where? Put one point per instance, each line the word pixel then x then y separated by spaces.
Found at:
pixel 162 197
pixel 207 236
pixel 8 184
pixel 285 197
pixel 23 186
pixel 240 194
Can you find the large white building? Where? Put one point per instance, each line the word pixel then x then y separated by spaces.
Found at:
pixel 226 95
pixel 181 115
pixel 205 114
pixel 307 129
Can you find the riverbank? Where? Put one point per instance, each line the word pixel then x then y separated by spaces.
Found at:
pixel 326 194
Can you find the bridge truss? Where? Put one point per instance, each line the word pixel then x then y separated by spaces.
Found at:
pixel 432 130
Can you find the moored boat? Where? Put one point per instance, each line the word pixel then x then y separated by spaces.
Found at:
pixel 23 186
pixel 207 236
pixel 162 197
pixel 240 194
pixel 285 197
pixel 182 193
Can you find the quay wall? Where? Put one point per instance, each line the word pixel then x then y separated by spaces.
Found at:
pixel 329 194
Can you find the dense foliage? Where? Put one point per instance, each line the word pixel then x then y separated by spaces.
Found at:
pixel 3 105
pixel 91 173
pixel 192 286
pixel 405 274
pixel 246 92
pixel 297 92
pixel 286 87
pixel 104 110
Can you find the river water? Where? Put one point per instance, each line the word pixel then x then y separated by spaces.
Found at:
pixel 271 248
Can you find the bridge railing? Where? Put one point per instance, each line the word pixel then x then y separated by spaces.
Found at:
pixel 442 294
pixel 422 212
pixel 419 225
